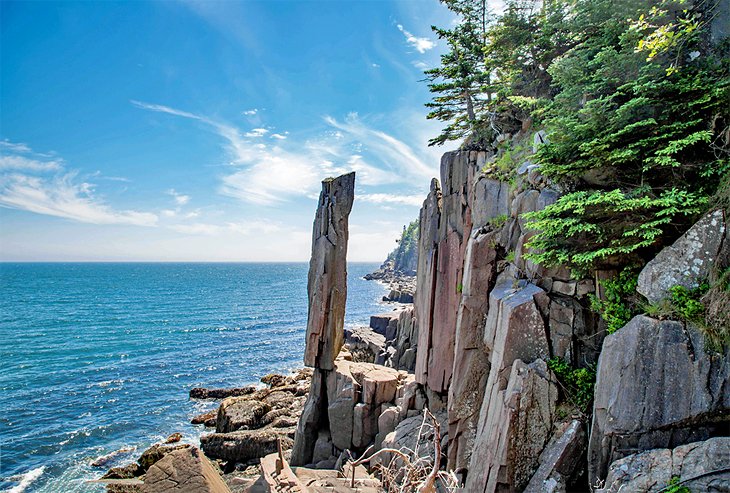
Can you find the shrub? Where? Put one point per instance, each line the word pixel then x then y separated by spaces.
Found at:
pixel 621 301
pixel 577 382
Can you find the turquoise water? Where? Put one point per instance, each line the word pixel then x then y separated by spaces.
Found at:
pixel 95 358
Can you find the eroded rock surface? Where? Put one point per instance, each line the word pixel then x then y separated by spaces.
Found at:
pixel 184 471
pixel 657 386
pixel 700 466
pixel 686 262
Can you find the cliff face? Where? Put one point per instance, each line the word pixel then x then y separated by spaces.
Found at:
pixel 489 319
pixel 485 333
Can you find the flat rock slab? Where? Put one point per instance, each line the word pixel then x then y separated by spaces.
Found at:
pixel 184 471
pixel 242 446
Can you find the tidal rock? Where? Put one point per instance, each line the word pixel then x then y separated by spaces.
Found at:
pixel 203 393
pixel 656 387
pixel 244 445
pixel 560 460
pixel 686 262
pixel 184 471
pixel 471 362
pixel 700 466
pixel 174 438
pixel 157 452
pixel 516 428
pixel 240 413
pixel 327 280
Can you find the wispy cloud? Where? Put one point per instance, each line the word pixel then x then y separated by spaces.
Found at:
pixel 390 199
pixel 52 190
pixel 421 45
pixel 64 196
pixel 208 229
pixel 251 112
pixel 269 174
pixel 256 132
pixel 28 164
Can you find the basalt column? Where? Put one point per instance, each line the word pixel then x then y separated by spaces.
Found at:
pixel 327 291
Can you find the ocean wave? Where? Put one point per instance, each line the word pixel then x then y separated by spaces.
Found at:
pixel 25 480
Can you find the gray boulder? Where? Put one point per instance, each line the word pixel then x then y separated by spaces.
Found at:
pixel 656 387
pixel 184 471
pixel 686 262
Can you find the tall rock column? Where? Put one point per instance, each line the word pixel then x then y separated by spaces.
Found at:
pixel 327 291
pixel 437 332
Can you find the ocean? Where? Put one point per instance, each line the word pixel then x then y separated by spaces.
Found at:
pixel 99 357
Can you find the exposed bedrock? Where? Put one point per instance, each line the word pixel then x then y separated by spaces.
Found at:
pixel 184 471
pixel 657 387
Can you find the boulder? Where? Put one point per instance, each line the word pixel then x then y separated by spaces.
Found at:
pixel 656 387
pixel 157 452
pixel 240 413
pixel 385 324
pixel 515 430
pixel 364 344
pixel 686 262
pixel 245 445
pixel 699 466
pixel 560 459
pixel 327 280
pixel 184 471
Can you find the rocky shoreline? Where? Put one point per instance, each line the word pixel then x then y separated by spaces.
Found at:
pixel 489 374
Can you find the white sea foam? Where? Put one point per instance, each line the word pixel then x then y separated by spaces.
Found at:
pixel 25 480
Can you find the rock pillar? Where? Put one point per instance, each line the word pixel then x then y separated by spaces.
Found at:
pixel 327 291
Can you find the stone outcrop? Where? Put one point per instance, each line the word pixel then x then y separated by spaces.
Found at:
pixel 327 280
pixel 245 445
pixel 471 362
pixel 514 429
pixel 327 291
pixel 560 460
pixel 428 258
pixel 699 466
pixel 184 471
pixel 686 262
pixel 657 386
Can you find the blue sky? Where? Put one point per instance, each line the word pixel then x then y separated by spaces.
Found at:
pixel 200 131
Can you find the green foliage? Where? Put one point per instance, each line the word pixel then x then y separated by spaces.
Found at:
pixel 510 257
pixel 577 382
pixel 686 302
pixel 636 102
pixel 498 221
pixel 587 228
pixel 620 302
pixel 674 486
pixel 405 255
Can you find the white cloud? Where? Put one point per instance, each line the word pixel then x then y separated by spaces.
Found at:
pixel 421 45
pixel 64 196
pixel 274 173
pixel 420 65
pixel 256 132
pixel 384 198
pixel 196 229
pixel 398 155
pixel 240 228
pixel 28 164
pixel 251 112
pixel 179 198
pixel 53 191
pixel 14 146
pixel 375 65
